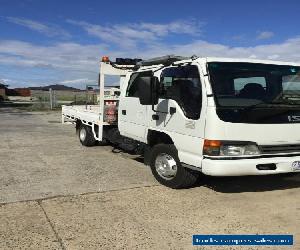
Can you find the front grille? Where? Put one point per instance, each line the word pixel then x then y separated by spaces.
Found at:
pixel 277 149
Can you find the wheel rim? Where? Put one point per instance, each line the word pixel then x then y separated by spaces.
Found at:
pixel 82 134
pixel 165 166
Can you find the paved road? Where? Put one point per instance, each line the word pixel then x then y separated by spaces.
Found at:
pixel 56 194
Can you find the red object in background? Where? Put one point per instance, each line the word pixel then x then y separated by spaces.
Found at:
pixel 110 112
pixel 23 92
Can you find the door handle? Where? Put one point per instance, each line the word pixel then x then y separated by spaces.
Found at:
pixel 155 117
pixel 172 110
pixel 123 112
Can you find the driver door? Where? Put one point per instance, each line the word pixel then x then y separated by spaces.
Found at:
pixel 133 115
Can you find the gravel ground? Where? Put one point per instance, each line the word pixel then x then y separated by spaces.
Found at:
pixel 56 194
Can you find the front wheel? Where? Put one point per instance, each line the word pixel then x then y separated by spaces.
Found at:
pixel 167 169
pixel 86 136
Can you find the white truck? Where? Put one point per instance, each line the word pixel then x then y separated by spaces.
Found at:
pixel 218 116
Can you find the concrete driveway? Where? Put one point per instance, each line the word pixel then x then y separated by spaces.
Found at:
pixel 56 194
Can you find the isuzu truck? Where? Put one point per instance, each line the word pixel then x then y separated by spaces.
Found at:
pixel 216 116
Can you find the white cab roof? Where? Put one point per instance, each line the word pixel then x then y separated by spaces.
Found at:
pixel 249 60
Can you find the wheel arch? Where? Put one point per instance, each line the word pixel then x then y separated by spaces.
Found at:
pixel 78 124
pixel 155 137
pixel 182 178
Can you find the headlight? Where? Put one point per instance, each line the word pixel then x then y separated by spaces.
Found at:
pixel 232 150
pixel 229 148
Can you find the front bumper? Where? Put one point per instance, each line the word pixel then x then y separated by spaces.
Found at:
pixel 239 167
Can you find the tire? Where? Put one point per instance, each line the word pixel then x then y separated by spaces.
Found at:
pixel 292 174
pixel 104 142
pixel 86 136
pixel 167 169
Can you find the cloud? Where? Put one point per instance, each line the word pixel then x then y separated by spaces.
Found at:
pixel 63 61
pixel 132 34
pixel 77 81
pixel 64 55
pixel 264 35
pixel 8 82
pixel 2 81
pixel 75 57
pixel 5 81
pixel 79 57
pixel 191 27
pixel 48 30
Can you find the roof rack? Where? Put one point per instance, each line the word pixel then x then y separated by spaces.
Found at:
pixel 165 60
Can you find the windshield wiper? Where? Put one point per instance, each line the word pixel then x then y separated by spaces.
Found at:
pixel 257 105
pixel 285 101
pixel 270 104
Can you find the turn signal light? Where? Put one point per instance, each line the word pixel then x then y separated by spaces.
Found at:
pixel 211 147
pixel 105 59
pixel 230 148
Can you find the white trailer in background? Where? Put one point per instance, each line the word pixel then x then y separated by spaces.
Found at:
pixel 218 116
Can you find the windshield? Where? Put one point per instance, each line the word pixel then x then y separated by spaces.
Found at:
pixel 253 92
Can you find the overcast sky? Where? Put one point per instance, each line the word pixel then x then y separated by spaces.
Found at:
pixel 61 42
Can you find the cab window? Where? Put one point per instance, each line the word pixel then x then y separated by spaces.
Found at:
pixel 182 84
pixel 133 88
pixel 242 82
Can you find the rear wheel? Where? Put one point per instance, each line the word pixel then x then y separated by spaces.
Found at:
pixel 167 169
pixel 86 136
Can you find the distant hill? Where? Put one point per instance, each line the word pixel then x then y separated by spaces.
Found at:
pixel 55 87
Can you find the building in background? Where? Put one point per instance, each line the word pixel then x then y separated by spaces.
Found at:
pixel 25 92
pixel 3 89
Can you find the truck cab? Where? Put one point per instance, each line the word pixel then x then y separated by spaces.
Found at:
pixel 218 116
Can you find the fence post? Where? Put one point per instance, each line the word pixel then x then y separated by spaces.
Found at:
pixel 51 98
pixel 54 99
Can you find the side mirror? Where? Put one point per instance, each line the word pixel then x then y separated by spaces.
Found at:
pixel 148 87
